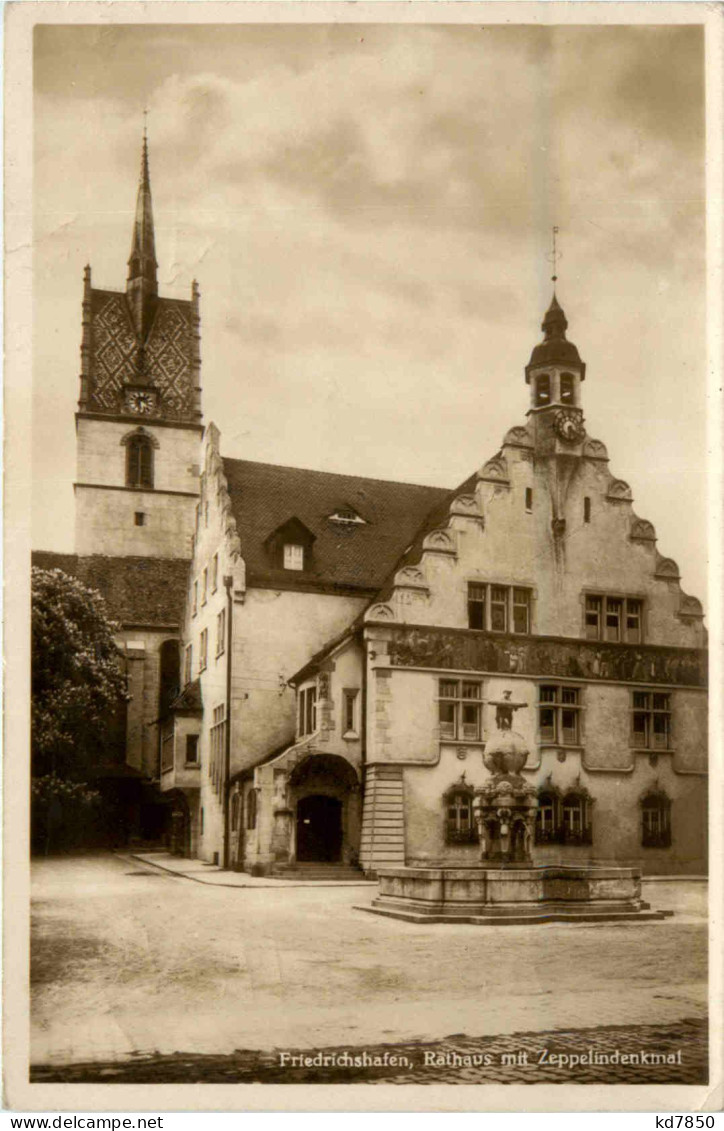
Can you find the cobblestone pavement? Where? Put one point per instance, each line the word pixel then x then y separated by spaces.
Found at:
pixel 515 1058
pixel 130 963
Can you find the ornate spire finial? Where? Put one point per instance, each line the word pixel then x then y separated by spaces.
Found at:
pixel 554 258
pixel 142 283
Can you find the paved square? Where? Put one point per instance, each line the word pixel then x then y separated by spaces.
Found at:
pixel 130 962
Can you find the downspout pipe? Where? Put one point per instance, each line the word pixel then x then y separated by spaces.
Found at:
pixel 228 583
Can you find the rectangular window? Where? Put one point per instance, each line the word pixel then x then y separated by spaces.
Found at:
pixel 460 825
pixel 203 649
pixel 593 618
pixel 188 663
pixel 204 586
pixel 307 711
pixel 498 608
pixel 586 509
pixel 220 632
pixel 476 605
pixel 651 720
pixel 529 499
pixel 293 557
pixel 139 518
pixel 460 709
pixel 195 606
pixel 559 714
pixel 192 749
pixel 217 748
pixel 215 573
pixel 349 718
pixel 633 621
pixel 521 610
pixel 615 619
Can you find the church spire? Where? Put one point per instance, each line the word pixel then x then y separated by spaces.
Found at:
pixel 142 285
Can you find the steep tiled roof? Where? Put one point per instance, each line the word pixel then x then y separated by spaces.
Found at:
pixel 344 555
pixel 410 554
pixel 138 591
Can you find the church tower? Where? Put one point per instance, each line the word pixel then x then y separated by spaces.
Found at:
pixel 139 417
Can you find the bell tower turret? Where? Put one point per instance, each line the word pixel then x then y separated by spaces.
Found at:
pixel 555 373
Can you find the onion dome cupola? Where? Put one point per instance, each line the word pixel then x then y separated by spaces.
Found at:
pixel 555 370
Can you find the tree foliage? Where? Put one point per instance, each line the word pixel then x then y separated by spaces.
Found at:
pixel 77 681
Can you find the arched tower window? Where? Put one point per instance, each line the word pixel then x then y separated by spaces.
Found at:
pixel 655 820
pixel 139 461
pixel 542 389
pixel 567 388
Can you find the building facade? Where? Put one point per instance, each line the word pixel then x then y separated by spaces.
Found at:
pixel 325 687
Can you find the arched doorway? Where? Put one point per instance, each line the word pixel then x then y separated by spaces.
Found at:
pixel 319 828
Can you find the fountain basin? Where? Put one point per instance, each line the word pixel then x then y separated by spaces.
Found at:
pixel 512 894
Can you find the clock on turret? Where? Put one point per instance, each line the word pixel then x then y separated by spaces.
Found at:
pixel 141 402
pixel 569 426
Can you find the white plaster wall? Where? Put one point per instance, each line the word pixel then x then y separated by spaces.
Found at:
pixel 517 547
pixel 101 456
pixel 105 523
pixel 276 632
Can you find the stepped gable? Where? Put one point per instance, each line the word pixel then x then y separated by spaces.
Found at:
pixel 138 591
pixel 354 554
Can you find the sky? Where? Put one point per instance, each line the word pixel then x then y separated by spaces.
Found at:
pixel 368 211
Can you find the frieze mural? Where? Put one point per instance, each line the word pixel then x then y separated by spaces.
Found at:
pixel 545 656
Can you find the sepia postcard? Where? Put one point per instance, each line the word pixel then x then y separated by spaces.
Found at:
pixel 363 555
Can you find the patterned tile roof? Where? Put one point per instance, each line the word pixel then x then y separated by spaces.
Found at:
pixel 138 591
pixel 116 358
pixel 344 555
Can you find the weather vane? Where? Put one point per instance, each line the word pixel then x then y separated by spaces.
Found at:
pixel 554 257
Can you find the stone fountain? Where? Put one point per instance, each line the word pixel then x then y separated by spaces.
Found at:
pixel 506 886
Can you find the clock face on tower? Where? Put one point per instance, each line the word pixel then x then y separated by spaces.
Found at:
pixel 141 402
pixel 569 426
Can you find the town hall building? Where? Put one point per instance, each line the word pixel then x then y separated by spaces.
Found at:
pixel 314 659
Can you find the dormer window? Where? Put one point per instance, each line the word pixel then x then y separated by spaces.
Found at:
pixel 542 389
pixel 347 516
pixel 291 546
pixel 293 556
